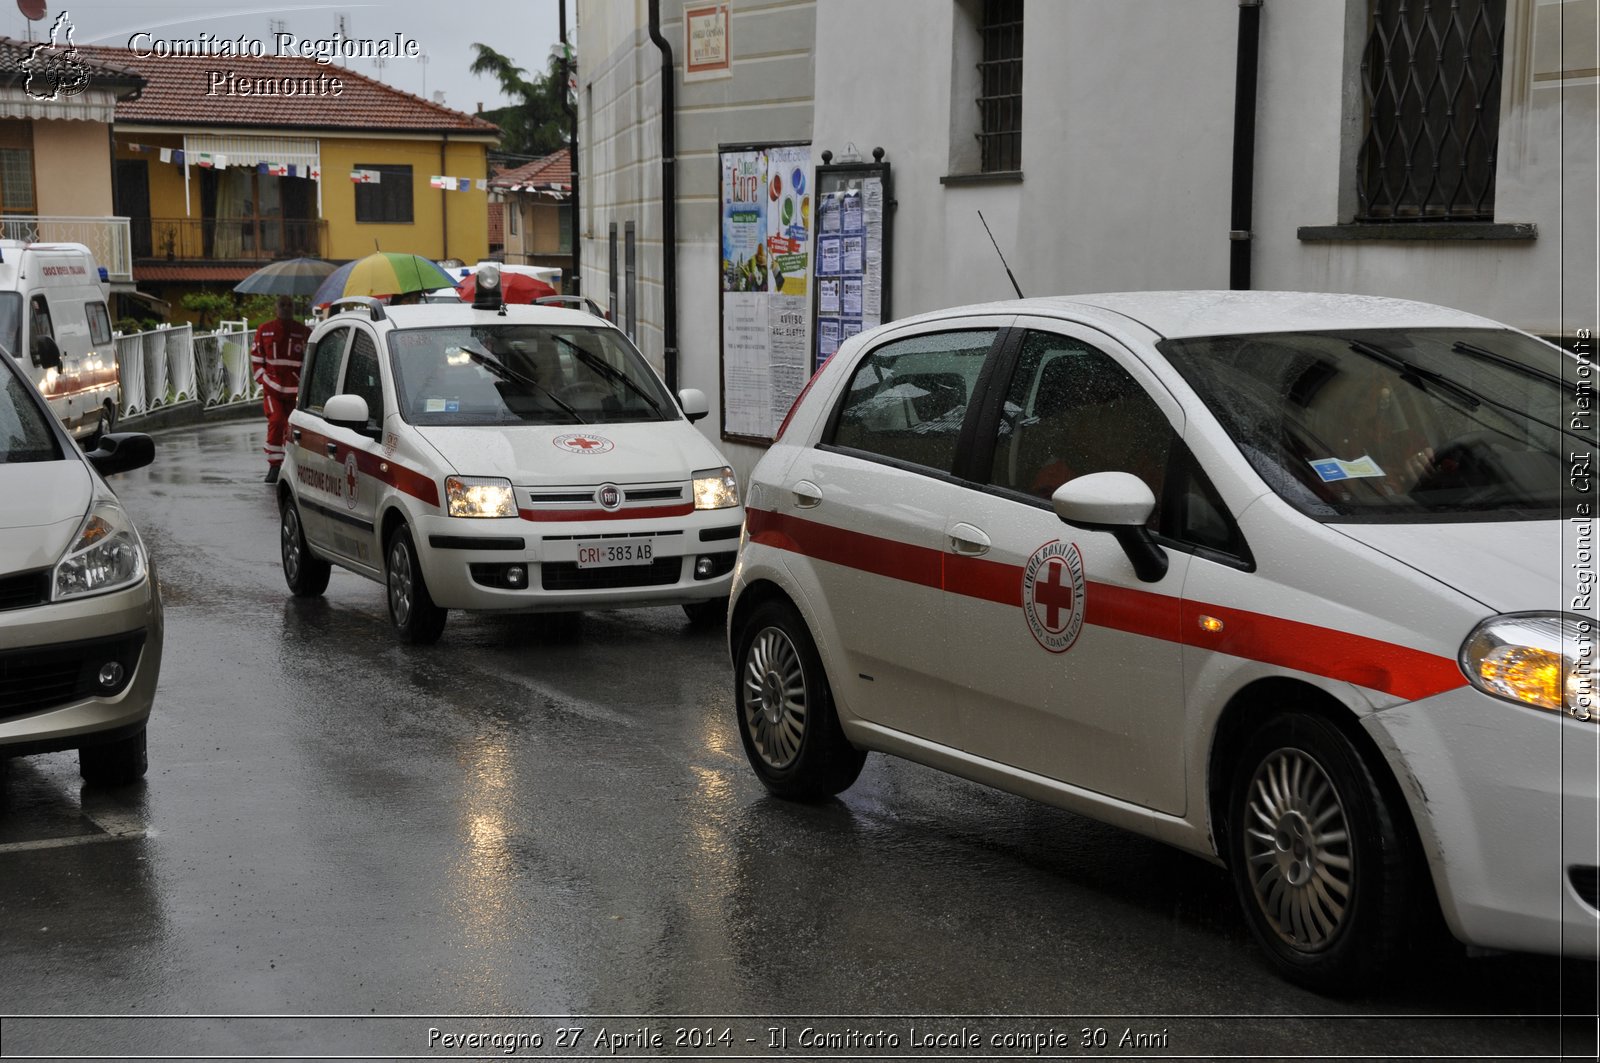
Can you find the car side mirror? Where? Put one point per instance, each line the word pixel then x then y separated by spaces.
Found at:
pixel 122 451
pixel 1119 503
pixel 46 353
pixel 347 411
pixel 693 403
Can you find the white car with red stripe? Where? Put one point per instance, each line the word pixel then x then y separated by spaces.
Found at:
pixel 1300 583
pixel 521 459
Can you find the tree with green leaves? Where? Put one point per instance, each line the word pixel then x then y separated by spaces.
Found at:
pixel 534 125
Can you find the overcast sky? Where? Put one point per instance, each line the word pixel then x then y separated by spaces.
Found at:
pixel 524 30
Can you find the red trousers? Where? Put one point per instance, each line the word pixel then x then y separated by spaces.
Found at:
pixel 278 408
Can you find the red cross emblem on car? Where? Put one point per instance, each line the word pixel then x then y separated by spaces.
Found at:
pixel 1053 595
pixel 351 480
pixel 583 444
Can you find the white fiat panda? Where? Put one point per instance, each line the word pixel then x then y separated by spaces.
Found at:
pixel 501 458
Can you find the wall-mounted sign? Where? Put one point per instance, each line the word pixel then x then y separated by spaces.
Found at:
pixel 764 277
pixel 705 48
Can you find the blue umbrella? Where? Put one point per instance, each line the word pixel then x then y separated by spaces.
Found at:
pixel 292 276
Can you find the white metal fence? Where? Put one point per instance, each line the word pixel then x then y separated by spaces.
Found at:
pixel 108 238
pixel 171 366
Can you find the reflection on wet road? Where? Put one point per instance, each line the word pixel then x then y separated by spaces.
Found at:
pixel 555 818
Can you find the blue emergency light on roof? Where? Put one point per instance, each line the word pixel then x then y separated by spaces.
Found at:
pixel 105 275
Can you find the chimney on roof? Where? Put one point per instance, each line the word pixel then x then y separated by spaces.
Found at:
pixel 480 108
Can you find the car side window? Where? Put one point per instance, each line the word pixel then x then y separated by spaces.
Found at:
pixel 361 376
pixel 1072 410
pixel 38 324
pixel 908 397
pixel 99 323
pixel 321 377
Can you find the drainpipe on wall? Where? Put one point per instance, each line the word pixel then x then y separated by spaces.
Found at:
pixel 1244 143
pixel 669 201
pixel 444 198
pixel 572 147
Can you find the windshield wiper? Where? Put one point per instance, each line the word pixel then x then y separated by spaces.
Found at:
pixel 501 369
pixel 1414 374
pixel 601 366
pixel 1463 347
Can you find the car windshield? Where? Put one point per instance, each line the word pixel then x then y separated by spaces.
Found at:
pixel 1401 424
pixel 523 374
pixel 24 433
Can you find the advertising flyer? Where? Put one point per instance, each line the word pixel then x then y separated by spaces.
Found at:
pixel 850 274
pixel 766 217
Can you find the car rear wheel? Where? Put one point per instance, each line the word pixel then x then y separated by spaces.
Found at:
pixel 114 763
pixel 1319 860
pixel 306 574
pixel 787 721
pixel 416 619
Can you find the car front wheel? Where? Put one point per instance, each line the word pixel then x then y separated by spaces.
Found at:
pixel 114 763
pixel 1318 856
pixel 787 721
pixel 416 619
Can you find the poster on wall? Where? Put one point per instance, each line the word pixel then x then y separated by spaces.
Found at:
pixel 851 283
pixel 764 280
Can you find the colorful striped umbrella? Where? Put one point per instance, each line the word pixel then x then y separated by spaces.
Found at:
pixel 292 276
pixel 384 273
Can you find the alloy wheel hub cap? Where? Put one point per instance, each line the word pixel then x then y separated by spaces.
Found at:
pixel 1297 853
pixel 772 697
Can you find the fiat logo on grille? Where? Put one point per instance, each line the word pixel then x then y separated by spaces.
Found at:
pixel 609 496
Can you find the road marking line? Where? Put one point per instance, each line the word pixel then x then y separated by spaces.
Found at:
pixel 114 825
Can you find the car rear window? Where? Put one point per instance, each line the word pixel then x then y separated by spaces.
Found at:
pixel 1398 424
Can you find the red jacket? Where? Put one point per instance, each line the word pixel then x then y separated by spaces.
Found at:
pixel 275 357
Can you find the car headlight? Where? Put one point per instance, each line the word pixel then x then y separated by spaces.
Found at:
pixel 1544 660
pixel 479 496
pixel 106 555
pixel 715 489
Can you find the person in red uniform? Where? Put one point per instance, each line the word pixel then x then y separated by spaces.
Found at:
pixel 275 360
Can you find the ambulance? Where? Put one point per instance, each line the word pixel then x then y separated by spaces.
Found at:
pixel 54 322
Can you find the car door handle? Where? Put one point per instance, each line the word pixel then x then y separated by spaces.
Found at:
pixel 296 433
pixel 807 495
pixel 968 541
pixel 333 450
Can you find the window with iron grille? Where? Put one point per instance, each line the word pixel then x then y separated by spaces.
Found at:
pixel 1431 81
pixel 16 180
pixel 1000 86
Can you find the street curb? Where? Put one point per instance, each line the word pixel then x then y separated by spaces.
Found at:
pixel 187 414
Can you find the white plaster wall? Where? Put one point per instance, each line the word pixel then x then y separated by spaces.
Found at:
pixel 768 99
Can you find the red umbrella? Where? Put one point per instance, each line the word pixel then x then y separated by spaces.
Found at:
pixel 514 288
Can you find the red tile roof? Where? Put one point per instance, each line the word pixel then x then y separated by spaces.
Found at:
pixel 147 274
pixel 552 173
pixel 14 57
pixel 176 93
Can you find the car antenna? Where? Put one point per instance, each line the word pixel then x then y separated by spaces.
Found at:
pixel 1014 285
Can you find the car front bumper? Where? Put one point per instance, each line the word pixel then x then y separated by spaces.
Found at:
pixel 1505 799
pixel 48 640
pixel 513 565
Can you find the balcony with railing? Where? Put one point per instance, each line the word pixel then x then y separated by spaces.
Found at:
pixel 228 239
pixel 109 239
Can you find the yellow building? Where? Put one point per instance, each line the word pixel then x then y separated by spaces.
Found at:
pixel 55 154
pixel 223 164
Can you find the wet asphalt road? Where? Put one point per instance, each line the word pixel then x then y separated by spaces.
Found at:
pixel 556 820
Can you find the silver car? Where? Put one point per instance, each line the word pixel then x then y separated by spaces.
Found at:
pixel 80 613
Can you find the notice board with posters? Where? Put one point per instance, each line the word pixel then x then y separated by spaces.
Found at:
pixel 854 205
pixel 764 273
